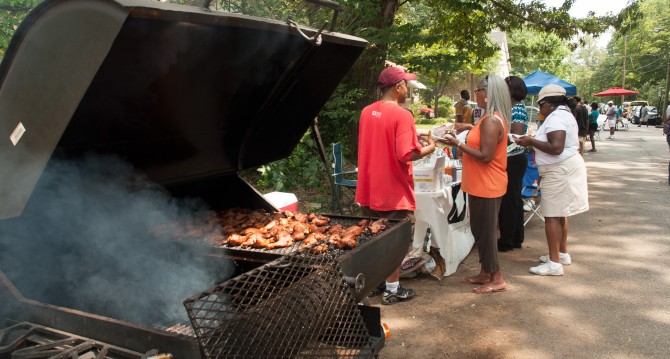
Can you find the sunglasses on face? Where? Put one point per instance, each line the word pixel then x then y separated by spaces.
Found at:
pixel 540 103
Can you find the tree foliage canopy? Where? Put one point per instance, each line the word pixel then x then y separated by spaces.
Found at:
pixel 12 13
pixel 444 41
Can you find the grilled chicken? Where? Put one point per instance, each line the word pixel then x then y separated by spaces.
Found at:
pixel 262 229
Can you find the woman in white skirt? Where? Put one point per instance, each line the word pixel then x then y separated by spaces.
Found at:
pixel 563 173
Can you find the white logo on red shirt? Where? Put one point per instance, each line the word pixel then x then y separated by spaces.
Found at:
pixel 376 114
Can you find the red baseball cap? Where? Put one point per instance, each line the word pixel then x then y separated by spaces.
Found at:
pixel 392 75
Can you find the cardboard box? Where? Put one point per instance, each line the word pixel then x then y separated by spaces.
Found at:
pixel 428 172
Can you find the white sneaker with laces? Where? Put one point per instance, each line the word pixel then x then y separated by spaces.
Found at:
pixel 527 207
pixel 565 259
pixel 545 269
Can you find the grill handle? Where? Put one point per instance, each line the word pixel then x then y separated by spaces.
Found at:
pixel 331 5
pixel 357 282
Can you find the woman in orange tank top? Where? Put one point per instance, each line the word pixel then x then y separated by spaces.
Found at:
pixel 485 178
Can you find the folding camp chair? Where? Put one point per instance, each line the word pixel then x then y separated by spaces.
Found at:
pixel 596 133
pixel 345 189
pixel 530 191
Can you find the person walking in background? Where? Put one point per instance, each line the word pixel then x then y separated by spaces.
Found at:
pixel 484 177
pixel 593 124
pixel 463 109
pixel 644 116
pixel 563 172
pixel 387 145
pixel 510 217
pixel 666 132
pixel 619 117
pixel 582 117
pixel 610 112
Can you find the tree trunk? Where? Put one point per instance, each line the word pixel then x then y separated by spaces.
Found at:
pixel 365 71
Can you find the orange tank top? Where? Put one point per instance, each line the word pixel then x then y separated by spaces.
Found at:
pixel 487 180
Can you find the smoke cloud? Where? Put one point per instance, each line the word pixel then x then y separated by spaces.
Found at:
pixel 85 242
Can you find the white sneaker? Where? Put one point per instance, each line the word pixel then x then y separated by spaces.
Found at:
pixel 527 207
pixel 565 259
pixel 545 269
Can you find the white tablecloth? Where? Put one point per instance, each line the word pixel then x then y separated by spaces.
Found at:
pixel 432 209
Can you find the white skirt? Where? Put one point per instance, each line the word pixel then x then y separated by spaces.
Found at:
pixel 564 188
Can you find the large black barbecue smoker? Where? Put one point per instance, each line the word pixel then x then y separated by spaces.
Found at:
pixel 120 119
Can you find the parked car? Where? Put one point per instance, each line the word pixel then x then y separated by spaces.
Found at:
pixel 637 103
pixel 625 107
pixel 653 116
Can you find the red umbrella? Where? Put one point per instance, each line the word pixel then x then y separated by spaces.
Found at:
pixel 616 91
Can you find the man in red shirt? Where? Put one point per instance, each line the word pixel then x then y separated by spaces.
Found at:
pixel 387 145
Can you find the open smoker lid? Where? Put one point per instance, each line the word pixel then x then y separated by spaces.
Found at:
pixel 180 92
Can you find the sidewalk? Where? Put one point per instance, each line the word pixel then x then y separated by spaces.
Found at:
pixel 612 302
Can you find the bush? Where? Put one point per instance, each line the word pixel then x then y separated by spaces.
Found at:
pixel 427 121
pixel 445 107
pixel 339 116
pixel 302 169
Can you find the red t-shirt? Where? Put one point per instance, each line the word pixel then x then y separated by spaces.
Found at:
pixel 386 139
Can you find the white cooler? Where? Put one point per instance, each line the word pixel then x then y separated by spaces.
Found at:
pixel 283 200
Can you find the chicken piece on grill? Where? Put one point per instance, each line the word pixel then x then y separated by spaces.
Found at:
pixel 377 226
pixel 301 217
pixel 336 228
pixel 318 229
pixel 271 224
pixel 300 231
pixel 355 230
pixel 346 242
pixel 364 222
pixel 319 249
pixel 318 219
pixel 283 240
pixel 334 238
pixel 252 230
pixel 235 240
pixel 313 238
pixel 256 240
pixel 285 222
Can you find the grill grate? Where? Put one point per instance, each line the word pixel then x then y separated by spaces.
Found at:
pixel 27 340
pixel 297 306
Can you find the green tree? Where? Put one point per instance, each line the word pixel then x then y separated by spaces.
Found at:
pixel 644 36
pixel 12 12
pixel 533 50
pixel 585 61
pixel 441 39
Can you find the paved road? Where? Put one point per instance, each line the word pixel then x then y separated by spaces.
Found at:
pixel 612 302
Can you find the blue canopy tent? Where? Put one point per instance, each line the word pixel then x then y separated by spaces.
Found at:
pixel 538 79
